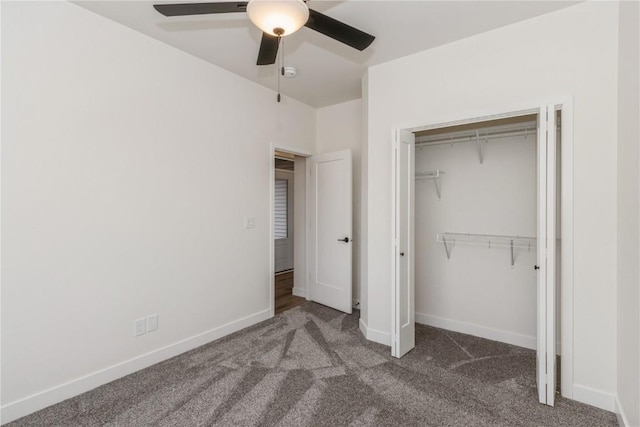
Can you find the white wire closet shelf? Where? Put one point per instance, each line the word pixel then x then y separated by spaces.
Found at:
pixel 520 129
pixel 450 239
pixel 479 136
pixel 435 175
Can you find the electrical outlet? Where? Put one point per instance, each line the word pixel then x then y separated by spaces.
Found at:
pixel 152 322
pixel 139 327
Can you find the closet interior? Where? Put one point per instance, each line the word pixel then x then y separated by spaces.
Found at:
pixel 476 229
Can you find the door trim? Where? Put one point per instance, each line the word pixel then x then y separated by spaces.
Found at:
pixel 273 147
pixel 565 104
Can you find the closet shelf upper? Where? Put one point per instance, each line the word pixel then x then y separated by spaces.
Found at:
pixel 511 241
pixel 478 136
pixel 434 175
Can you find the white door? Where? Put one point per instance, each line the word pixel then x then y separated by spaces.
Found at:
pixel 546 354
pixel 283 220
pixel 404 330
pixel 330 234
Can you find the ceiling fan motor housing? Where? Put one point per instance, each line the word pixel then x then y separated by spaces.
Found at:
pixel 278 17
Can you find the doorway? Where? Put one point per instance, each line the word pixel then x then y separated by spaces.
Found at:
pixel 322 229
pixel 545 217
pixel 283 228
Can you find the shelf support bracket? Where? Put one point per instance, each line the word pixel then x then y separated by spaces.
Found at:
pixel 436 182
pixel 480 156
pixel 512 257
pixel 446 248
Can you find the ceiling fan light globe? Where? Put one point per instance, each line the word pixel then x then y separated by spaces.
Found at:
pixel 288 15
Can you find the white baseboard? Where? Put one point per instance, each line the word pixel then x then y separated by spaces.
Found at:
pixel 27 405
pixel 375 335
pixel 299 291
pixel 478 331
pixel 598 398
pixel 623 421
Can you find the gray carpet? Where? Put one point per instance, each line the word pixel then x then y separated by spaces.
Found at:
pixel 310 366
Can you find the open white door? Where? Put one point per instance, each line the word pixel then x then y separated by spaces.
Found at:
pixel 404 327
pixel 546 355
pixel 330 233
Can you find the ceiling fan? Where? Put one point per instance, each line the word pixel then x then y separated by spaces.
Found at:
pixel 276 18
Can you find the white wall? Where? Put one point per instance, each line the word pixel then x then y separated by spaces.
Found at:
pixel 339 127
pixel 628 337
pixel 477 291
pixel 545 57
pixel 127 170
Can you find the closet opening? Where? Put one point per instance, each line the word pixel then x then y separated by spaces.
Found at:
pixel 478 239
pixel 284 229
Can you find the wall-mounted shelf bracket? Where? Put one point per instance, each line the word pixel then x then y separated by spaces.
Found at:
pixel 480 154
pixel 513 260
pixel 446 247
pixel 512 242
pixel 435 175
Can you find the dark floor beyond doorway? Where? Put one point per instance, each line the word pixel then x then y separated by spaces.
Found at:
pixel 285 299
pixel 311 366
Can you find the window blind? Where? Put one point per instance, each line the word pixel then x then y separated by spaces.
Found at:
pixel 280 209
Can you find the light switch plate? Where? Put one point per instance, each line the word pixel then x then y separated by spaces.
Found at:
pixel 249 222
pixel 152 322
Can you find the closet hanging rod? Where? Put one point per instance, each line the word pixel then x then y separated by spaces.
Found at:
pixel 472 137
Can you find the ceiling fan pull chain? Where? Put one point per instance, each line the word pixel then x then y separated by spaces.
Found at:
pixel 281 53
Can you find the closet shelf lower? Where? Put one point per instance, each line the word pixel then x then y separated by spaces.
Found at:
pixel 450 239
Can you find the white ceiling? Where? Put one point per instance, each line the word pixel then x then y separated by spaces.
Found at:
pixel 328 71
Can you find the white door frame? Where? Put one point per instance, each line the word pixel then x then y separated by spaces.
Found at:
pixel 565 104
pixel 273 147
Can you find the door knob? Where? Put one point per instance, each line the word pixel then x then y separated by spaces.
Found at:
pixel 346 240
pixel 401 253
pixel 535 267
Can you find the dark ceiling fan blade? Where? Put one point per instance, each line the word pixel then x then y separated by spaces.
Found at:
pixel 268 49
pixel 181 9
pixel 338 30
